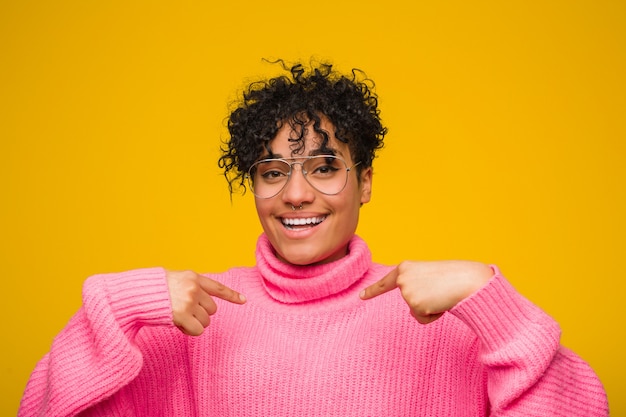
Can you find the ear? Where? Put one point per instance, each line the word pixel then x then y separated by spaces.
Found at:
pixel 366 185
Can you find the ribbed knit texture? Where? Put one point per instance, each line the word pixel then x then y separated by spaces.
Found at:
pixel 304 344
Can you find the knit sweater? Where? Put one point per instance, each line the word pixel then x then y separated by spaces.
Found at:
pixel 305 344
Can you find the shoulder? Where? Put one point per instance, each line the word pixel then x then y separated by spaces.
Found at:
pixel 233 275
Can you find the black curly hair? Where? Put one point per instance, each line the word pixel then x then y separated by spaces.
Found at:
pixel 349 103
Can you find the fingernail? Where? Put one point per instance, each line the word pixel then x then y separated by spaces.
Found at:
pixel 242 298
pixel 362 294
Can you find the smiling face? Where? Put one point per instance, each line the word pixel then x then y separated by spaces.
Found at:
pixel 318 232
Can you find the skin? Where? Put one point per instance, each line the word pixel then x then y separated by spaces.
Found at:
pixel 429 288
pixel 432 288
pixel 328 240
pixel 192 295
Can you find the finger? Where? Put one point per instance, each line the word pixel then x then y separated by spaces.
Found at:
pixel 386 284
pixel 426 319
pixel 207 303
pixel 190 326
pixel 219 290
pixel 202 316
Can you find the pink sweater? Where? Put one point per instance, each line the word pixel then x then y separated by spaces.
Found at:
pixel 305 344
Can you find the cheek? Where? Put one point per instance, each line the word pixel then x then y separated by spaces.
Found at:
pixel 357 195
pixel 349 206
pixel 263 209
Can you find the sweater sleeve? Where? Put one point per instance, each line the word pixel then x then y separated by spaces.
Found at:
pixel 94 355
pixel 528 372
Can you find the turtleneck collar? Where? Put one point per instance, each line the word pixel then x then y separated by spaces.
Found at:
pixel 292 284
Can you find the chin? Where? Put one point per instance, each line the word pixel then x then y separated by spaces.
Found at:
pixel 300 259
pixel 307 258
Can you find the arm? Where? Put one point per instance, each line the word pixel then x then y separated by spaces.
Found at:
pixel 529 373
pixel 94 355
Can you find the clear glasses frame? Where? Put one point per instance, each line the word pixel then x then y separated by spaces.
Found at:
pixel 268 177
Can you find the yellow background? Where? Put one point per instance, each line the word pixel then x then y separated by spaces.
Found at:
pixel 506 145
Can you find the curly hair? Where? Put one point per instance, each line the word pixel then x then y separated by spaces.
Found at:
pixel 299 99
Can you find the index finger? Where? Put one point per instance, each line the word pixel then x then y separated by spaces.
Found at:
pixel 219 290
pixel 385 284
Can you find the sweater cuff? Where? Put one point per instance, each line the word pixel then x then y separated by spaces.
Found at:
pixel 136 298
pixel 500 316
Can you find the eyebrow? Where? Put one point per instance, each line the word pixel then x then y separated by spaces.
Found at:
pixel 315 152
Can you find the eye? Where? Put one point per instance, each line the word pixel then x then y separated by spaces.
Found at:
pixel 325 170
pixel 272 171
pixel 323 167
pixel 273 174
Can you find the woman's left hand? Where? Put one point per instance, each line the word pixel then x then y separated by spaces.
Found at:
pixel 432 288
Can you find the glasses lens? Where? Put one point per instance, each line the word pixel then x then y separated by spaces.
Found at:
pixel 268 177
pixel 328 174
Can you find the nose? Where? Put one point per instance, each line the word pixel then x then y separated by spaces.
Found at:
pixel 297 191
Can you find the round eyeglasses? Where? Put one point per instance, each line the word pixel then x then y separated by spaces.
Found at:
pixel 328 174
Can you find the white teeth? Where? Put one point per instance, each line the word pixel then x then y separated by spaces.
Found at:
pixel 302 221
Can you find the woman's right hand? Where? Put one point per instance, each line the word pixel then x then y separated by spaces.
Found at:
pixel 192 295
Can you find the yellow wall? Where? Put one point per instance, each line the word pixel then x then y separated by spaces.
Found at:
pixel 506 145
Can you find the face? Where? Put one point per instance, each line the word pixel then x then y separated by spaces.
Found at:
pixel 333 218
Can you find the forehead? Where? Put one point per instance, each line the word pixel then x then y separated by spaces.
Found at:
pixel 289 143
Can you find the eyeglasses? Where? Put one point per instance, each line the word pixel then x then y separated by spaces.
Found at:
pixel 328 174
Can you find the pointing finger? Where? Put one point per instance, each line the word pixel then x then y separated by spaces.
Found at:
pixel 220 290
pixel 385 284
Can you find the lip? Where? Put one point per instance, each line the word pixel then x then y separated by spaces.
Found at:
pixel 300 214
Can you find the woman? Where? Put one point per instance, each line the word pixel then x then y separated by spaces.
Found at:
pixel 321 330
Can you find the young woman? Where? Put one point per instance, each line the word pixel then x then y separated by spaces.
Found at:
pixel 321 330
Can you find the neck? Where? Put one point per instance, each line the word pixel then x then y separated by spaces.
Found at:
pixel 291 284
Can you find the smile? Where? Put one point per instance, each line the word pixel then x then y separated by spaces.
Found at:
pixel 291 223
